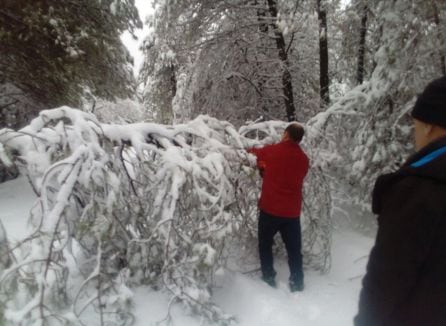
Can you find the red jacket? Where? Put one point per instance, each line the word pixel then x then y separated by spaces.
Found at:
pixel 284 166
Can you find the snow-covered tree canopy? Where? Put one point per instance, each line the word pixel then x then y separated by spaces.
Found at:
pixel 53 49
pixel 236 60
pixel 221 58
pixel 123 205
pixel 404 49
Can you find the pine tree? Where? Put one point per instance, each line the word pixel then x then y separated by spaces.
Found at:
pixel 54 50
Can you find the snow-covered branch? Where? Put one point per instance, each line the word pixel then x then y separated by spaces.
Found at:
pixel 149 204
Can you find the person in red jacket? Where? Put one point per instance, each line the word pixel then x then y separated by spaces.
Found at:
pixel 283 166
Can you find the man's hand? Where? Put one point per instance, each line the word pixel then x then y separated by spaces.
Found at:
pixel 261 165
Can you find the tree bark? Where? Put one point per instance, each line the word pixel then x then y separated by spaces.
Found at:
pixel 173 81
pixel 287 85
pixel 173 92
pixel 263 29
pixel 361 51
pixel 324 79
pixel 437 22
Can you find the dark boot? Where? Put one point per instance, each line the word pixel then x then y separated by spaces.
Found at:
pixel 270 280
pixel 296 285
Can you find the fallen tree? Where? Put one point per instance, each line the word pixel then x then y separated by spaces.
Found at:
pixel 124 205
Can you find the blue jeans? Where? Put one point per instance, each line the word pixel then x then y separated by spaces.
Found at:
pixel 290 231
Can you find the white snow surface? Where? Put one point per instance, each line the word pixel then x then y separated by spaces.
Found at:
pixel 328 299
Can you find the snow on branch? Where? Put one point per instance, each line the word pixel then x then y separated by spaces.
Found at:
pixel 125 205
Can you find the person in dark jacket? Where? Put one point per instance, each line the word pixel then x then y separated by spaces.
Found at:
pixel 283 167
pixel 405 282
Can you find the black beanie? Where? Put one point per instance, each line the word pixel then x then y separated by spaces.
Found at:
pixel 430 106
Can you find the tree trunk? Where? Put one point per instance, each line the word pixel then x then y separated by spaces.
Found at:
pixel 173 81
pixel 263 29
pixel 324 79
pixel 261 17
pixel 173 93
pixel 361 51
pixel 437 22
pixel 286 76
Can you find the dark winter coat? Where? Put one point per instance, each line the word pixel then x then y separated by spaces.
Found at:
pixel 405 283
pixel 284 166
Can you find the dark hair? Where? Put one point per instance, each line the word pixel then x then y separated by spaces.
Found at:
pixel 295 132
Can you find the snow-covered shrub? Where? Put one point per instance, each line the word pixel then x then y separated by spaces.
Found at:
pixel 121 111
pixel 124 205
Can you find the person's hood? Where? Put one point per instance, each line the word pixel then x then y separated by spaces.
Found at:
pixel 428 163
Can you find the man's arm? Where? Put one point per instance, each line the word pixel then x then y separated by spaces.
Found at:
pixel 260 153
pixel 405 234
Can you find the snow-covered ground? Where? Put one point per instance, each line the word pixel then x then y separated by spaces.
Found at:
pixel 329 299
